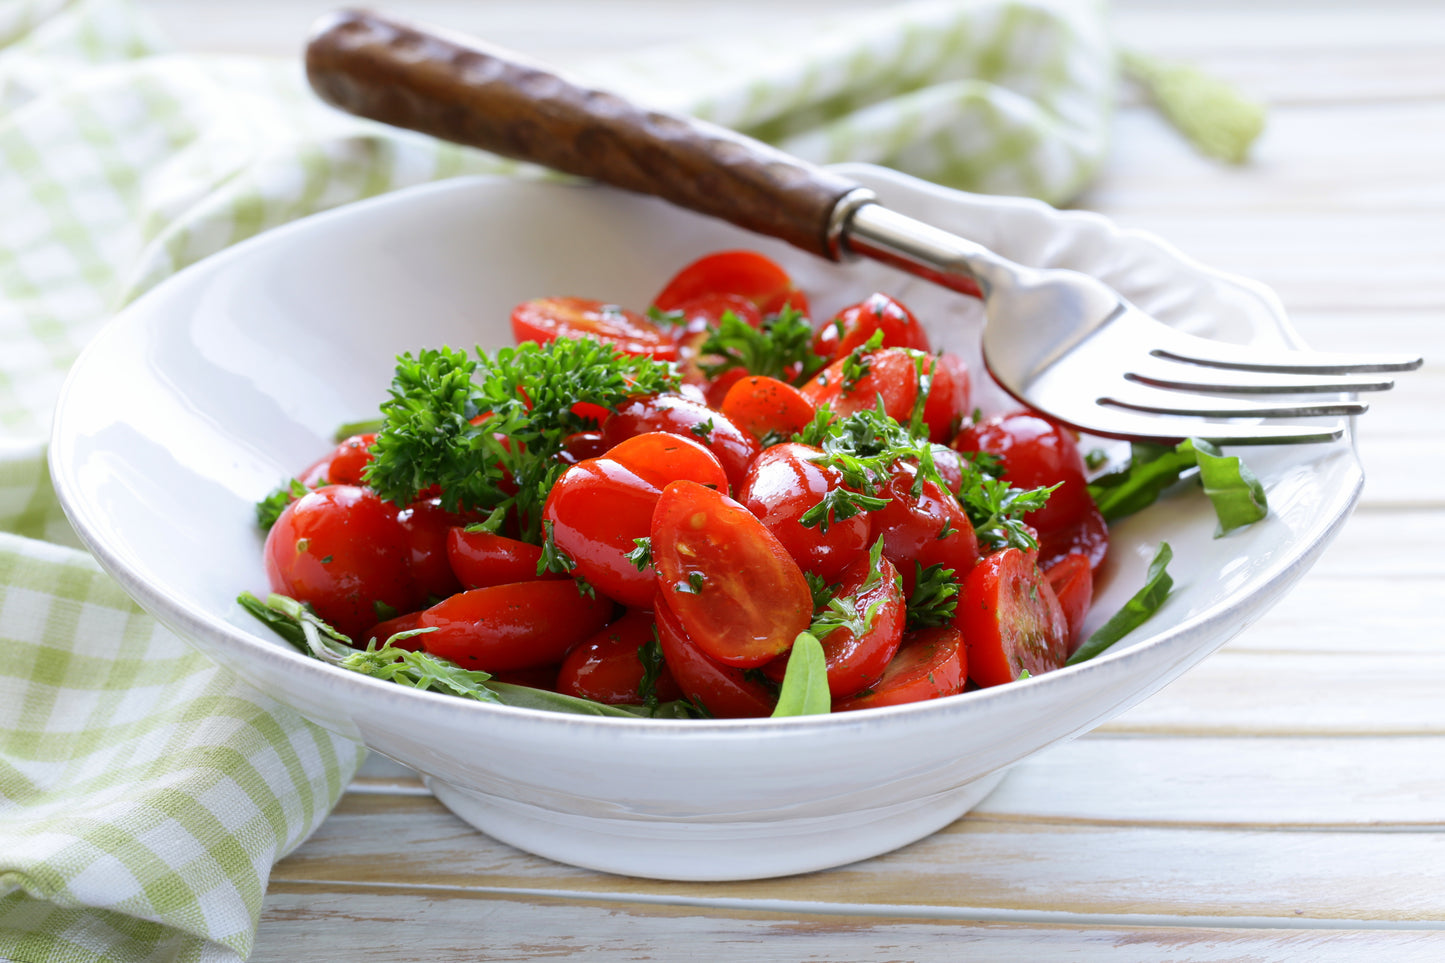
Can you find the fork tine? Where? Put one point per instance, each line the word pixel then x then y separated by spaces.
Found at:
pixel 1189 349
pixel 1206 407
pixel 1180 377
pixel 1119 422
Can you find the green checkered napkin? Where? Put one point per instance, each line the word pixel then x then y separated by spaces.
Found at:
pixel 145 793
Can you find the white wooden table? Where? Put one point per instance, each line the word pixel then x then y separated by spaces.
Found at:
pixel 1285 800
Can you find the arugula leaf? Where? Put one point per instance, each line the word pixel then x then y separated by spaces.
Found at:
pixel 805 682
pixel 270 508
pixel 1136 611
pixel 782 348
pixel 1236 493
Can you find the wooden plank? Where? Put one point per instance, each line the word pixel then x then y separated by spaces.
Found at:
pixel 1322 614
pixel 977 869
pixel 310 921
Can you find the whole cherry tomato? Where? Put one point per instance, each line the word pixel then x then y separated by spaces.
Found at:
pixel 949 392
pixel 724 691
pixel 746 273
pixel 857 660
pixel 734 448
pixel 597 510
pixel 519 626
pixel 1034 452
pixel 927 528
pixel 890 374
pixel 607 667
pixel 782 485
pixel 480 559
pixel 340 549
pixel 764 406
pixel 855 324
pixel 733 586
pixel 343 465
pixel 1010 619
pixel 425 526
pixel 930 664
pixel 662 456
pixel 1072 579
pixel 544 319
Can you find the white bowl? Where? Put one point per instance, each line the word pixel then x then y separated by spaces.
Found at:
pixel 203 395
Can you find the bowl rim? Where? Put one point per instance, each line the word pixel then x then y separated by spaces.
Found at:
pixel 322 677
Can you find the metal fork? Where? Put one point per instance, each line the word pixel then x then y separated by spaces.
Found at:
pixel 1059 341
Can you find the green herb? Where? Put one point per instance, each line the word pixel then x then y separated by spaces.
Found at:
pixel 553 559
pixel 695 582
pixel 782 348
pixel 997 509
pixel 641 556
pixel 649 654
pixel 1234 491
pixel 860 361
pixel 666 319
pixel 934 598
pixel 1135 612
pixel 832 611
pixel 368 427
pixel 703 430
pixel 805 681
pixel 487 430
pixel 270 508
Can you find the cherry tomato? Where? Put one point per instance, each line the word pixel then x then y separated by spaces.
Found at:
pixel 1010 619
pixel 930 664
pixel 733 586
pixel 855 324
pixel 544 319
pixel 597 510
pixel 929 528
pixel 856 661
pixel 1072 579
pixel 343 465
pixel 582 444
pixel 607 667
pixel 1035 452
pixel 340 549
pixel 718 388
pixel 518 626
pixel 891 375
pixel 746 273
pixel 703 314
pixel 734 448
pixel 782 485
pixel 725 691
pixel 661 457
pixel 948 396
pixel 481 559
pixel 764 406
pixel 425 526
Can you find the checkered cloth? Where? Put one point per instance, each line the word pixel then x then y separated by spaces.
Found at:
pixel 145 793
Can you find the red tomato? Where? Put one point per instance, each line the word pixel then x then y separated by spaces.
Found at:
pixel 948 396
pixel 857 661
pixel 892 375
pixel 661 457
pixel 929 528
pixel 340 549
pixel 780 487
pixel 607 667
pixel 762 406
pixel 1072 579
pixel 1010 619
pixel 746 273
pixel 425 526
pixel 724 691
pixel 343 465
pixel 544 319
pixel 1035 452
pixel 734 448
pixel 930 664
pixel 597 510
pixel 718 388
pixel 583 444
pixel 481 559
pixel 519 626
pixel 856 323
pixel 703 314
pixel 733 586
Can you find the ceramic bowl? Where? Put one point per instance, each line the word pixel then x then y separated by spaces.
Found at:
pixel 203 395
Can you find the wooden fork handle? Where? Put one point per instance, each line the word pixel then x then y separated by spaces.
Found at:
pixel 461 91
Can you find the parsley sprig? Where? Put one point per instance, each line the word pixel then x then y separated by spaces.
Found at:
pixel 782 348
pixel 433 434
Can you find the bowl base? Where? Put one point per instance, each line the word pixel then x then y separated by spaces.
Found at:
pixel 704 849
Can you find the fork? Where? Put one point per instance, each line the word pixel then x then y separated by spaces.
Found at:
pixel 1059 341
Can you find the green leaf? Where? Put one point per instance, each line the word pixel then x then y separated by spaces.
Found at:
pixel 1237 495
pixel 368 427
pixel 934 598
pixel 1136 611
pixel 805 682
pixel 781 347
pixel 1235 492
pixel 270 508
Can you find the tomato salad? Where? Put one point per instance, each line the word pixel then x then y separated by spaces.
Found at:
pixel 710 509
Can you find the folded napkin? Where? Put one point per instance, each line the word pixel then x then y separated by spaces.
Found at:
pixel 145 793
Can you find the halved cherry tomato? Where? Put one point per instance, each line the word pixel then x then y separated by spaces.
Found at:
pixel 544 319
pixel 858 660
pixel 746 273
pixel 1035 452
pixel 343 465
pixel 340 549
pixel 734 447
pixel 855 324
pixel 725 691
pixel 930 664
pixel 1072 579
pixel 518 626
pixel 782 485
pixel 607 667
pixel 480 559
pixel 764 406
pixel 929 528
pixel 662 456
pixel 733 586
pixel 1010 619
